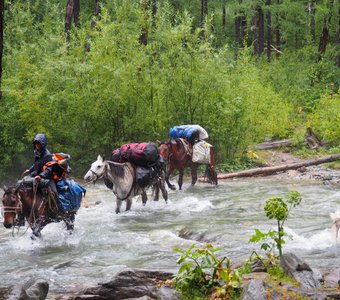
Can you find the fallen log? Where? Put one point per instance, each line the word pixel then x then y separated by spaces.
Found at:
pixel 274 144
pixel 265 171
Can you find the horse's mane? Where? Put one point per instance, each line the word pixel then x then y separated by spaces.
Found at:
pixel 11 190
pixel 118 170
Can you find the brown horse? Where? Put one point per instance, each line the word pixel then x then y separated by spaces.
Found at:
pixel 177 156
pixel 38 210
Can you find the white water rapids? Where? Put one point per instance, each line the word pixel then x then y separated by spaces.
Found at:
pixel 104 243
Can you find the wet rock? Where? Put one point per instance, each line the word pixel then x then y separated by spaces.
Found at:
pixel 332 279
pixel 33 289
pixel 254 290
pixel 300 270
pixel 133 284
pixel 187 234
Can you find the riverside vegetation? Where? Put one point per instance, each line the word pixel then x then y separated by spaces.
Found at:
pixel 131 70
pixel 204 275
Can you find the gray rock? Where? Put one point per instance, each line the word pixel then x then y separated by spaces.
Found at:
pixel 332 279
pixel 33 289
pixel 133 284
pixel 300 270
pixel 254 290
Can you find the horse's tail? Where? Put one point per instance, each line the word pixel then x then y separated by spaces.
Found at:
pixel 210 171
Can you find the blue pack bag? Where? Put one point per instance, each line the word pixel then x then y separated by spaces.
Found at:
pixel 70 194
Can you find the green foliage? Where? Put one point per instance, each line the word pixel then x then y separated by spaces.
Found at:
pixel 278 209
pixel 104 88
pixel 201 272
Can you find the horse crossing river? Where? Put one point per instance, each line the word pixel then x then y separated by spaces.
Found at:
pixel 104 242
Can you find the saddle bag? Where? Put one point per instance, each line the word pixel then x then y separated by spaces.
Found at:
pixel 201 152
pixel 144 176
pixel 139 154
pixel 70 194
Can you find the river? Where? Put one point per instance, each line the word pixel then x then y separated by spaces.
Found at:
pixel 104 243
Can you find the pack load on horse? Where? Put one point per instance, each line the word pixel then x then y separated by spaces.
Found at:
pixel 187 148
pixel 144 158
pixel 195 135
pixel 45 194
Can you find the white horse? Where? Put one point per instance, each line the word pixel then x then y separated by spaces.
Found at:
pixel 122 176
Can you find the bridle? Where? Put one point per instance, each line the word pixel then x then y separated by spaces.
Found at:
pixel 97 175
pixel 11 209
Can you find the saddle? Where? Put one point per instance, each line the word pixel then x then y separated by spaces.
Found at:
pixel 182 143
pixel 42 187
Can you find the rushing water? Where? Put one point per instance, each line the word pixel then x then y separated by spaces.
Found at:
pixel 104 243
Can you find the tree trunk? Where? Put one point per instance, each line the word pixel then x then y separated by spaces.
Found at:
pixel 255 30
pixel 154 12
pixel 269 30
pixel 311 9
pixel 224 17
pixel 2 13
pixel 76 13
pixel 204 11
pixel 261 29
pixel 68 18
pixel 97 11
pixel 325 31
pixel 272 170
pixel 278 33
pixel 143 39
pixel 338 39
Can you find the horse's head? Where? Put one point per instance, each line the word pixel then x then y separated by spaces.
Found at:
pixel 163 150
pixel 11 206
pixel 97 170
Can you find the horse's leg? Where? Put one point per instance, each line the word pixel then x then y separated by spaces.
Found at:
pixel 144 198
pixel 161 185
pixel 118 205
pixel 155 187
pixel 69 221
pixel 167 176
pixel 128 203
pixel 180 179
pixel 38 225
pixel 193 174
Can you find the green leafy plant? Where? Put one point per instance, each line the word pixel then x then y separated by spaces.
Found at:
pixel 279 209
pixel 202 273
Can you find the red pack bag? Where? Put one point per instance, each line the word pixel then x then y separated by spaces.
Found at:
pixel 140 154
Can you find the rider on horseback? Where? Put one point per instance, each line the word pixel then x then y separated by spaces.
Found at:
pixel 42 168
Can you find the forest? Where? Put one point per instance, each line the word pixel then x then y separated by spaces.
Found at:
pixel 93 75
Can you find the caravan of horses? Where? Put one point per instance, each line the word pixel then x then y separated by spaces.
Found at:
pixel 131 170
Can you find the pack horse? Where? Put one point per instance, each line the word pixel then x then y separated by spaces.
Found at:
pixel 130 175
pixel 187 149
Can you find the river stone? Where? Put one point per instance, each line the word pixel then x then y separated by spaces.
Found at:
pixel 300 270
pixel 332 279
pixel 133 284
pixel 33 289
pixel 254 290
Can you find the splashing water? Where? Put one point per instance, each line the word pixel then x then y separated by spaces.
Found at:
pixel 104 243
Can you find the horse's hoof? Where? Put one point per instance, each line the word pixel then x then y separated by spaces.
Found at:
pixel 172 187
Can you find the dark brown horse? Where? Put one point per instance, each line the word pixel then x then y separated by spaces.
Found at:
pixel 177 155
pixel 37 209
